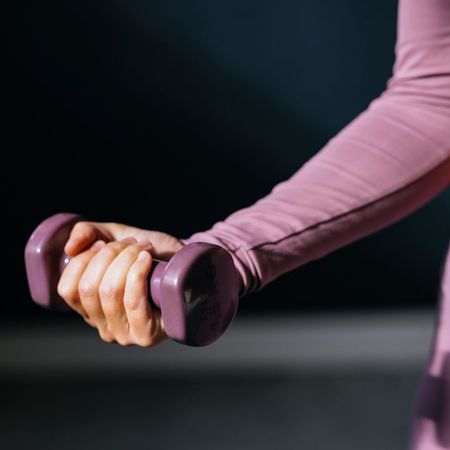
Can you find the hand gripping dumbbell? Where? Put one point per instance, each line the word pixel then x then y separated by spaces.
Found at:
pixel 196 290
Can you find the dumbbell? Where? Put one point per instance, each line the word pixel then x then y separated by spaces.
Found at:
pixel 196 290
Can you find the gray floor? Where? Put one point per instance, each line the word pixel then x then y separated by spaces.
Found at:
pixel 347 411
pixel 341 383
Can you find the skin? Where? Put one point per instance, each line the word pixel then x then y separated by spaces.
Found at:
pixel 106 280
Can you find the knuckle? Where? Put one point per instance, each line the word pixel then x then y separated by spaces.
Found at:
pixel 132 303
pixel 89 321
pixel 86 289
pixel 106 336
pixel 108 291
pixel 134 251
pixel 144 341
pixel 109 250
pixel 135 276
pixel 115 246
pixel 125 342
pixel 65 291
pixel 62 290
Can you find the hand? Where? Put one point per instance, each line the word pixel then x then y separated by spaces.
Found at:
pixel 106 280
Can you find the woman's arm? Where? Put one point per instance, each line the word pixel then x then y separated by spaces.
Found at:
pixel 389 161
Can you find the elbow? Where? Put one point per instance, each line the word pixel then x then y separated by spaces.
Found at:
pixel 417 97
pixel 421 76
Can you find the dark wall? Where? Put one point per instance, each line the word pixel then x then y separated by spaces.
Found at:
pixel 171 115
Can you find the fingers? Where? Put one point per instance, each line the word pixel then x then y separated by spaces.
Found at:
pixel 107 284
pixel 112 289
pixel 68 283
pixel 89 286
pixel 138 310
pixel 82 235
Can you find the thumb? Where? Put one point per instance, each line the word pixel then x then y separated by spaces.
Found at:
pixel 84 234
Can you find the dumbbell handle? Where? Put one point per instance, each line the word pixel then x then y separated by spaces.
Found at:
pixel 154 278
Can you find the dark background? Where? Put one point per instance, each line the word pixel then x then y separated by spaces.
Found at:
pixel 171 115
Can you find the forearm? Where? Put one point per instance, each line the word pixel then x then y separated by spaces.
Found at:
pixel 389 161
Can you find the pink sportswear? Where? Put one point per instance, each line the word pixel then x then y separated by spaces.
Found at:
pixel 390 160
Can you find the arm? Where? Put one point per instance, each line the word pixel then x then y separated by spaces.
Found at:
pixel 389 161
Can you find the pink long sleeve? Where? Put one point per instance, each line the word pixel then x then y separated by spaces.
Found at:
pixel 389 161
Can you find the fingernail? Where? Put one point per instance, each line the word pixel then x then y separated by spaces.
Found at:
pixel 128 240
pixel 144 243
pixel 97 245
pixel 143 256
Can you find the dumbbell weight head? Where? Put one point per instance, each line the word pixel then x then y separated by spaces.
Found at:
pixel 196 289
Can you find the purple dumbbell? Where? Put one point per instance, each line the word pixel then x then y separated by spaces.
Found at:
pixel 196 290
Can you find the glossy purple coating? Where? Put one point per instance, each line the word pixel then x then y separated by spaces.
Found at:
pixel 196 289
pixel 45 259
